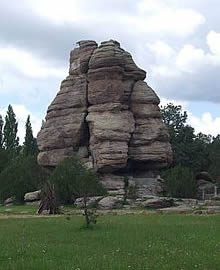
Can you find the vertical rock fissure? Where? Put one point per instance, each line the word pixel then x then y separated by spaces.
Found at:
pixel 131 137
pixel 86 124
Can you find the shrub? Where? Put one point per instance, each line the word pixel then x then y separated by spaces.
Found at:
pixel 180 182
pixel 22 175
pixel 73 180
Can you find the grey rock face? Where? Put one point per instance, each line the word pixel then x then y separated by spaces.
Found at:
pixel 106 114
pixel 91 202
pixel 9 201
pixel 32 196
pixel 110 203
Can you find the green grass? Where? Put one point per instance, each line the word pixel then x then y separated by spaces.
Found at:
pixel 18 210
pixel 116 243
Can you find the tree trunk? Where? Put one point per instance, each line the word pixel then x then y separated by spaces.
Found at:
pixel 48 200
pixel 86 212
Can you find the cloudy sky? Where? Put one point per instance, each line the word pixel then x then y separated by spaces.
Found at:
pixel 176 42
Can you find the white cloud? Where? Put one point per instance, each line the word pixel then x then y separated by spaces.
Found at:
pixel 149 16
pixel 22 113
pixel 161 17
pixel 164 71
pixel 213 41
pixel 205 124
pixel 189 59
pixel 27 64
pixel 161 50
pixel 57 11
pixel 169 62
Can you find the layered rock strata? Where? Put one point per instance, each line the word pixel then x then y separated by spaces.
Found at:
pixel 107 115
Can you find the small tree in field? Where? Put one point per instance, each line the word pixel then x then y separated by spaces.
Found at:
pixel 72 180
pixel 87 185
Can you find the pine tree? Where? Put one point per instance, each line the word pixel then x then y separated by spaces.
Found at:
pixel 30 144
pixel 1 132
pixel 10 140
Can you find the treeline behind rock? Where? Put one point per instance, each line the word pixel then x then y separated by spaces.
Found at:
pixel 192 154
pixel 19 171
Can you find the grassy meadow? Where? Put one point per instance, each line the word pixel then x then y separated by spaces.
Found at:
pixel 137 242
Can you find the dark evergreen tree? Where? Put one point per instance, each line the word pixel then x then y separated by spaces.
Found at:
pixel 214 156
pixel 5 158
pixel 174 118
pixel 181 182
pixel 189 149
pixel 22 175
pixel 1 132
pixel 30 143
pixel 10 140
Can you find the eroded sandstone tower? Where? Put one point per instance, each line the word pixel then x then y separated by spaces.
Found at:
pixel 107 115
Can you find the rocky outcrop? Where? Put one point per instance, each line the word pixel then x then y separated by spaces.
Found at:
pixel 10 201
pixel 110 203
pixel 206 186
pixel 150 203
pixel 107 115
pixel 32 198
pixel 91 202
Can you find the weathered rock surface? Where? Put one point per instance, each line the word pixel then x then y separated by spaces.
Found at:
pixel 110 203
pixel 32 196
pixel 91 202
pixel 9 201
pixel 206 186
pixel 155 203
pixel 152 203
pixel 107 115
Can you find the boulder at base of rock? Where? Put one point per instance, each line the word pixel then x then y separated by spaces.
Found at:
pixel 92 202
pixel 10 201
pixel 156 202
pixel 32 196
pixel 110 203
pixel 205 176
pixel 216 198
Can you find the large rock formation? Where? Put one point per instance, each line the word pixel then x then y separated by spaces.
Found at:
pixel 107 115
